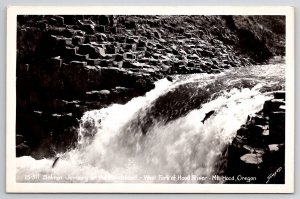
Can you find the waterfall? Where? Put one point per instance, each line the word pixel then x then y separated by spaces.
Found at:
pixel 159 137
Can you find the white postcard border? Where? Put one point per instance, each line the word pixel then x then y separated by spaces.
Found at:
pixel 13 186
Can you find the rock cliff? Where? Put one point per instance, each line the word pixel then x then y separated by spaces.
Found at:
pixel 258 149
pixel 69 64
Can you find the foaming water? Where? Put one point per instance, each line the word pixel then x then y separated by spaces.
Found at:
pixel 159 137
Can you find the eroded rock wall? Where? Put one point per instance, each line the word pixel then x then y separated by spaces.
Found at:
pixel 70 64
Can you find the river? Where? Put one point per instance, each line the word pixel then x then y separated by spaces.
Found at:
pixel 159 137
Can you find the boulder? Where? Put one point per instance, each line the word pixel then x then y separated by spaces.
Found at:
pixel 273 148
pixel 64 41
pixel 255 135
pixel 157 34
pixel 77 64
pixel 55 63
pixel 119 57
pixel 214 71
pixel 100 28
pixel 63 106
pixel 131 40
pixel 279 95
pixel 106 63
pixel 120 38
pixel 140 54
pixel 118 64
pixel 103 20
pixel 79 57
pixel 111 49
pixel 104 92
pixel 272 105
pixel 156 55
pixel 69 53
pixel 88 28
pixel 196 69
pixel 101 37
pixel 94 52
pixel 59 122
pixel 19 139
pixel 60 20
pixel 277 126
pixel 252 158
pixel 97 52
pixel 22 150
pixel 169 78
pixel 71 19
pixel 121 94
pixel 61 31
pixel 92 95
pixel 243 131
pixel 129 55
pixel 90 38
pixel 131 47
pixel 188 35
pixel 142 43
pixel 162 41
pixel 255 130
pixel 96 95
pixel 114 30
pixel 78 40
pixel 112 77
pixel 137 65
pixel 127 63
pixel 81 77
pixel 130 24
pixel 190 64
pixel 257 119
pixel 52 21
pixel 93 62
pixel 159 46
pixel 225 66
pixel 144 84
pixel 111 38
pixel 260 120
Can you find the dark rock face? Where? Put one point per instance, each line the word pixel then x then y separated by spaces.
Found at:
pixel 22 149
pixel 258 148
pixel 65 62
pixel 252 37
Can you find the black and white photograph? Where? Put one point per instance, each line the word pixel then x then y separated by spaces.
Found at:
pixel 161 99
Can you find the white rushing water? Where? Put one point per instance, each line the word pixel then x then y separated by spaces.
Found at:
pixel 113 147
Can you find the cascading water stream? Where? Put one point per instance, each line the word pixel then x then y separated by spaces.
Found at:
pixel 156 137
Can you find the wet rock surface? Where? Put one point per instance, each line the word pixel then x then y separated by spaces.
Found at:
pixel 68 64
pixel 258 149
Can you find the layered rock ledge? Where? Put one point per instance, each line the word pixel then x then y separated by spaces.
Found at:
pixel 258 149
pixel 69 64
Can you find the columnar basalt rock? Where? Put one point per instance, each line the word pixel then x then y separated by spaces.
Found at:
pixel 258 147
pixel 71 57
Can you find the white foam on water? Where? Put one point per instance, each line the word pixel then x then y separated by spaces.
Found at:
pixel 182 147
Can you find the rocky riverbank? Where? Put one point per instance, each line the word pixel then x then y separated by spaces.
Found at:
pixel 258 149
pixel 69 64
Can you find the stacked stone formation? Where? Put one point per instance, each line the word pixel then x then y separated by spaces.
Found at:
pixel 65 64
pixel 258 149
